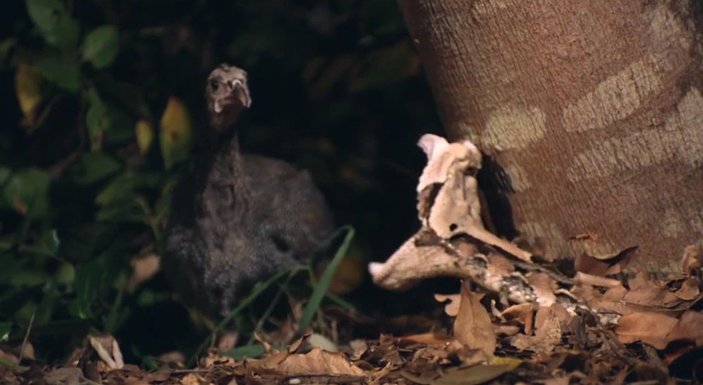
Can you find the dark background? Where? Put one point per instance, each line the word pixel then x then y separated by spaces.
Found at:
pixel 336 89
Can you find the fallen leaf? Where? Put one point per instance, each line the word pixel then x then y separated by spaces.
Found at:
pixel 472 326
pixel 143 268
pixel 649 327
pixel 62 376
pixel 689 290
pixel 473 375
pixel 689 327
pixel 319 361
pixel 108 350
pixel 523 312
pixel 427 338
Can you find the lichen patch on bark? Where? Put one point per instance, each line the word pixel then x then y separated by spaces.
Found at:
pixel 519 178
pixel 688 119
pixel 512 126
pixel 617 97
pixel 681 137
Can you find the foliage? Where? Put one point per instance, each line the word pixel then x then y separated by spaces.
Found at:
pixel 101 106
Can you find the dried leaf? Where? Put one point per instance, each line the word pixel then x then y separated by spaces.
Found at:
pixel 143 268
pixel 523 313
pixel 689 290
pixel 472 326
pixel 476 374
pixel 649 327
pixel 318 361
pixel 689 327
pixel 426 338
pixel 109 351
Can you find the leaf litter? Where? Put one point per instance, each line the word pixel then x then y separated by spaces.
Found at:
pixel 515 319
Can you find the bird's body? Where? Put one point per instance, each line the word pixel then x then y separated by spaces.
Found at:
pixel 246 217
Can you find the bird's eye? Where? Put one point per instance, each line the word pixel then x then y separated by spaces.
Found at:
pixel 214 85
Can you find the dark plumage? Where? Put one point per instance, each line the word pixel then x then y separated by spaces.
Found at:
pixel 241 217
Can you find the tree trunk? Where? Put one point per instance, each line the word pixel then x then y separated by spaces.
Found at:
pixel 591 112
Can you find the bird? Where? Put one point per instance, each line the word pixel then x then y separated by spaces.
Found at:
pixel 239 217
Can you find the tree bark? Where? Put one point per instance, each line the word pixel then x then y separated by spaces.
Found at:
pixel 590 112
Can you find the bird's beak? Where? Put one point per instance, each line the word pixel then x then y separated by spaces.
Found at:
pixel 240 93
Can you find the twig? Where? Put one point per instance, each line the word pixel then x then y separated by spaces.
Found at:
pixel 26 337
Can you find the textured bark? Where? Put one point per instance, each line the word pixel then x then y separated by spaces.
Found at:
pixel 590 111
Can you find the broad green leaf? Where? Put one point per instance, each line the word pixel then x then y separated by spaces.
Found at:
pixel 246 351
pixel 5 48
pixel 176 132
pixel 28 192
pixel 123 212
pixel 66 274
pixel 53 22
pixel 325 280
pixel 49 242
pixel 100 46
pixel 5 331
pixel 105 122
pixel 93 167
pixel 60 68
pixel 124 187
pixel 28 278
pixel 89 277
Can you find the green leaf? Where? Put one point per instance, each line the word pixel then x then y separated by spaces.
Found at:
pixel 100 46
pixel 66 274
pixel 49 242
pixel 124 187
pixel 60 68
pixel 5 331
pixel 105 122
pixel 123 212
pixel 54 22
pixel 87 287
pixel 28 192
pixel 246 351
pixel 28 278
pixel 93 167
pixel 5 49
pixel 325 280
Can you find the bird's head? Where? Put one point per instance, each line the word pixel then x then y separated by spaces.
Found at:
pixel 227 94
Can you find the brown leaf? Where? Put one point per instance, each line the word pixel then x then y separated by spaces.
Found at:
pixel 689 290
pixel 472 326
pixel 523 313
pixel 648 293
pixel 689 327
pixel 649 327
pixel 143 268
pixel 319 361
pixel 426 338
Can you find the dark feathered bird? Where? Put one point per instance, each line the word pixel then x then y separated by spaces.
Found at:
pixel 241 217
